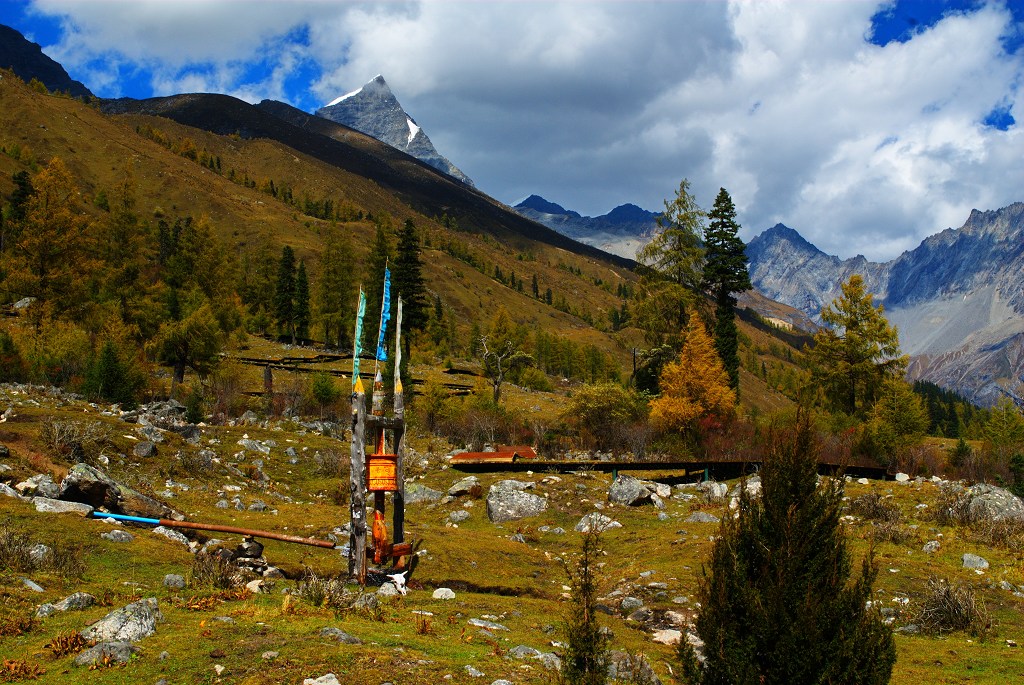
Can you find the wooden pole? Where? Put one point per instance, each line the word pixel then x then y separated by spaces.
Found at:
pixel 357 489
pixel 398 499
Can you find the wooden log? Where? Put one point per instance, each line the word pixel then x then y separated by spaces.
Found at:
pixel 398 499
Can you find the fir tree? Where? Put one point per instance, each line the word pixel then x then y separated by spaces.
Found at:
pixel 302 303
pixel 725 273
pixel 335 291
pixel 777 604
pixel 284 293
pixel 586 657
pixel 407 277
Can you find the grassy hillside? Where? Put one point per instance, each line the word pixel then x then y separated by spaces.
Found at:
pixel 418 639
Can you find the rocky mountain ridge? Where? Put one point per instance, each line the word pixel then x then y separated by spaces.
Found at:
pixel 956 298
pixel 375 111
pixel 27 60
pixel 622 231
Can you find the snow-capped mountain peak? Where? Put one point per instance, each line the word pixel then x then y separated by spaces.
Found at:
pixel 374 110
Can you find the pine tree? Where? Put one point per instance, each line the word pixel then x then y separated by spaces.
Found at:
pixel 284 293
pixel 407 277
pixel 777 604
pixel 302 303
pixel 725 273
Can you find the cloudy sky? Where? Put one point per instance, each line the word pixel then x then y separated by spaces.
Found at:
pixel 864 125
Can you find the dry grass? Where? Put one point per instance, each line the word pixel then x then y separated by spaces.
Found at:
pixel 951 606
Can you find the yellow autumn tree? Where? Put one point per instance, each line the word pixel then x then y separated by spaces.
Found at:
pixel 693 386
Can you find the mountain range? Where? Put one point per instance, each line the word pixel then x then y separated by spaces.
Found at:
pixel 27 60
pixel 957 299
pixel 375 111
pixel 621 231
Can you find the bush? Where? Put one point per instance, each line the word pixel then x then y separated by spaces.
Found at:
pixel 15 547
pixel 75 441
pixel 948 607
pixel 874 507
pixel 12 366
pixel 211 571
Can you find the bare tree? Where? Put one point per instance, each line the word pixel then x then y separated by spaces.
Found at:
pixel 500 361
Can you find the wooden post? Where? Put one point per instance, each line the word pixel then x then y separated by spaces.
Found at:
pixel 357 490
pixel 398 499
pixel 268 382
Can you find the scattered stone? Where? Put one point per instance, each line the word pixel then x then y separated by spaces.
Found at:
pixel 443 593
pixel 631 668
pixel 486 625
pixel 223 504
pixel 713 491
pixel 464 486
pixel 667 636
pixel 129 623
pixel 596 521
pixel 46 505
pixel 417 492
pixel 7 490
pixel 629 491
pixel 270 656
pixel 144 449
pixel 931 546
pixel 994 503
pixel 339 635
pixel 473 672
pixel 974 561
pixel 256 586
pixel 902 478
pixel 171 534
pixel 458 516
pixel 509 503
pixel 702 517
pixel 387 589
pixel 366 600
pixel 118 535
pixel 326 679
pixel 174 581
pixel 630 604
pixel 119 651
pixel 863 481
pixel 40 485
pixel 32 585
pixel 254 445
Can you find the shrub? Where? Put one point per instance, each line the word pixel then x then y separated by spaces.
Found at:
pixel 15 547
pixel 948 607
pixel 321 591
pixel 874 507
pixel 75 441
pixel 953 506
pixel 12 366
pixel 210 570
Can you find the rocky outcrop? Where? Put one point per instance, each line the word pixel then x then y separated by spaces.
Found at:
pixel 127 624
pixel 507 500
pixel 89 485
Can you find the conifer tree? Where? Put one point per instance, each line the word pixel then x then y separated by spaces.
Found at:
pixel 674 261
pixel 857 352
pixel 284 293
pixel 407 277
pixel 586 657
pixel 777 602
pixel 335 289
pixel 302 303
pixel 725 273
pixel 373 279
pixel 693 386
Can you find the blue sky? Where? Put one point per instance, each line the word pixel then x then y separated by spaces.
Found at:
pixel 865 125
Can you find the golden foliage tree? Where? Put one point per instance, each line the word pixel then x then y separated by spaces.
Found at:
pixel 693 386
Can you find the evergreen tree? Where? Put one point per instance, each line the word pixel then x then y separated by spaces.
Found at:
pixel 302 303
pixel 336 289
pixel 725 273
pixel 777 604
pixel 112 380
pixel 586 657
pixel 373 282
pixel 674 261
pixel 284 293
pixel 857 351
pixel 407 278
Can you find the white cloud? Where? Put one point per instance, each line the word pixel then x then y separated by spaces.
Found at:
pixel 861 148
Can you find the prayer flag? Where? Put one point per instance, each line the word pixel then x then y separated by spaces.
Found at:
pixel 360 312
pixel 385 316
